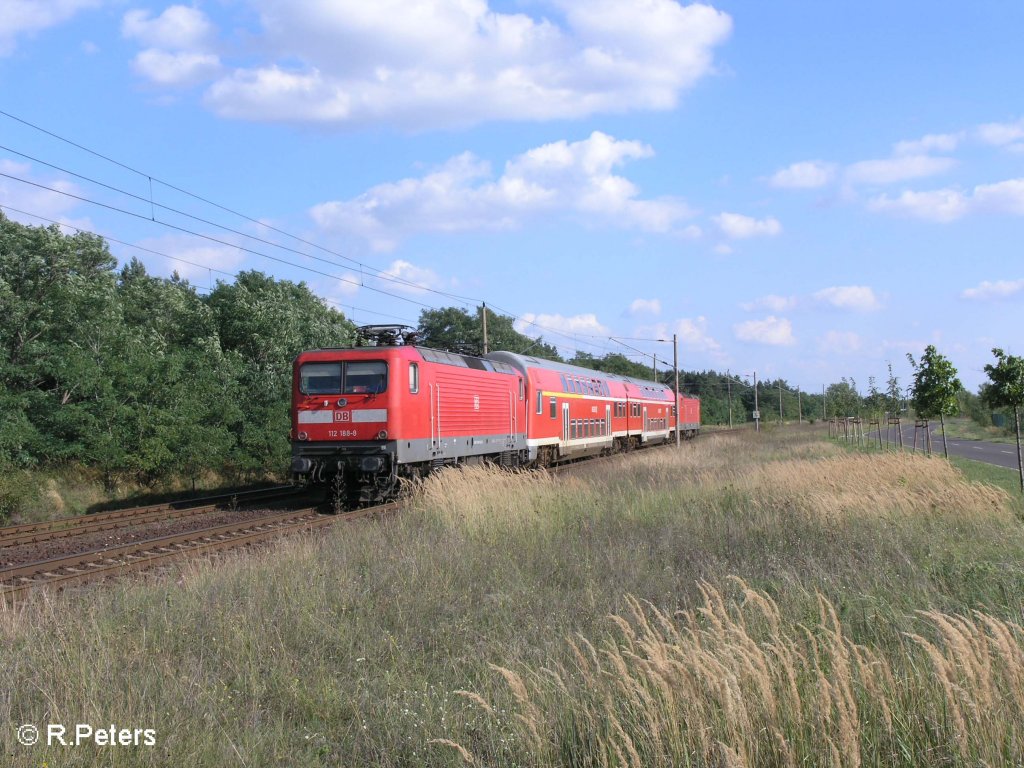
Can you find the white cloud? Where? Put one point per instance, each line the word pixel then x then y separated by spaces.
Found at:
pixel 895 169
pixel 46 204
pixel 693 335
pixel 738 227
pixel 840 341
pixel 179 27
pixel 860 298
pixel 444 63
pixel 645 306
pixel 1002 197
pixel 933 142
pixel 576 178
pixel 337 291
pixel 943 205
pixel 27 17
pixel 988 290
pixel 723 249
pixel 409 278
pixel 771 303
pixel 1007 135
pixel 180 45
pixel 774 331
pixel 585 324
pixel 808 174
pixel 203 257
pixel 182 68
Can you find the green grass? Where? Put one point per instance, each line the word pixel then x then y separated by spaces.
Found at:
pixel 968 429
pixel 1001 477
pixel 28 496
pixel 352 648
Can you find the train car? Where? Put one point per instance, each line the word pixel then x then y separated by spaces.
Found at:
pixel 365 418
pixel 575 412
pixel 689 420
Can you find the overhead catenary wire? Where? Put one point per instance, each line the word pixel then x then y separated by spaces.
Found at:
pixel 589 340
pixel 150 178
pixel 202 288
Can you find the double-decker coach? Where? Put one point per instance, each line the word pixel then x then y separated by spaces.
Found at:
pixel 575 412
pixel 365 418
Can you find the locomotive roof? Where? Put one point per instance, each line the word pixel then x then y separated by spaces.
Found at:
pixel 522 362
pixel 434 356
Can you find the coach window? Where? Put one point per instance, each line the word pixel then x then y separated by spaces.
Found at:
pixel 522 390
pixel 414 377
pixel 320 378
pixel 540 402
pixel 369 377
pixel 554 408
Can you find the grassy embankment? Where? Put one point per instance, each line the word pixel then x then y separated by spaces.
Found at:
pixel 518 620
pixel 31 496
pixel 968 429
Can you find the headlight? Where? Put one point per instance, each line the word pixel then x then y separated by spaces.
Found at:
pixel 303 436
pixel 382 435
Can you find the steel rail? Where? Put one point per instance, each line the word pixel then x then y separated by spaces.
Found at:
pixel 103 563
pixel 29 533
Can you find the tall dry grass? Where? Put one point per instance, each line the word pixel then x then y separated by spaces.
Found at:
pixel 374 644
pixel 735 682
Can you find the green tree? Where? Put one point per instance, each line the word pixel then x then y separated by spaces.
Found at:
pixel 455 329
pixel 613 362
pixel 893 393
pixel 1006 389
pixel 843 399
pixel 60 322
pixel 262 324
pixel 935 388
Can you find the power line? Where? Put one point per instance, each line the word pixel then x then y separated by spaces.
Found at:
pixel 211 239
pixel 377 273
pixel 196 286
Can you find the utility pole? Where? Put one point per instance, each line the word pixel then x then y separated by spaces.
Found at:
pixel 654 366
pixel 780 401
pixel 483 310
pixel 728 381
pixel 675 367
pixel 757 411
pixel 824 416
pixel 799 408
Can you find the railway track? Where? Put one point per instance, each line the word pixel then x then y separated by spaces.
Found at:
pixel 33 533
pixel 18 581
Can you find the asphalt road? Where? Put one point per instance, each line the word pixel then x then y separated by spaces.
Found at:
pixel 1000 454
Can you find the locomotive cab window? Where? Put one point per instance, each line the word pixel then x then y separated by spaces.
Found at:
pixel 414 377
pixel 320 378
pixel 369 377
pixel 554 408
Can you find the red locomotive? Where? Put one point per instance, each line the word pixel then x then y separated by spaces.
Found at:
pixel 367 417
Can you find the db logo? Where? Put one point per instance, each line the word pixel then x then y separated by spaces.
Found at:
pixel 343 415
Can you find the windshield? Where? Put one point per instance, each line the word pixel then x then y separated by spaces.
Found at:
pixel 369 377
pixel 349 378
pixel 320 378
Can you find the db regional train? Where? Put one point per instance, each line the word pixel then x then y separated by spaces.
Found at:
pixel 368 417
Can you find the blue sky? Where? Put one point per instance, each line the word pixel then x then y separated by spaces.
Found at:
pixel 808 190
